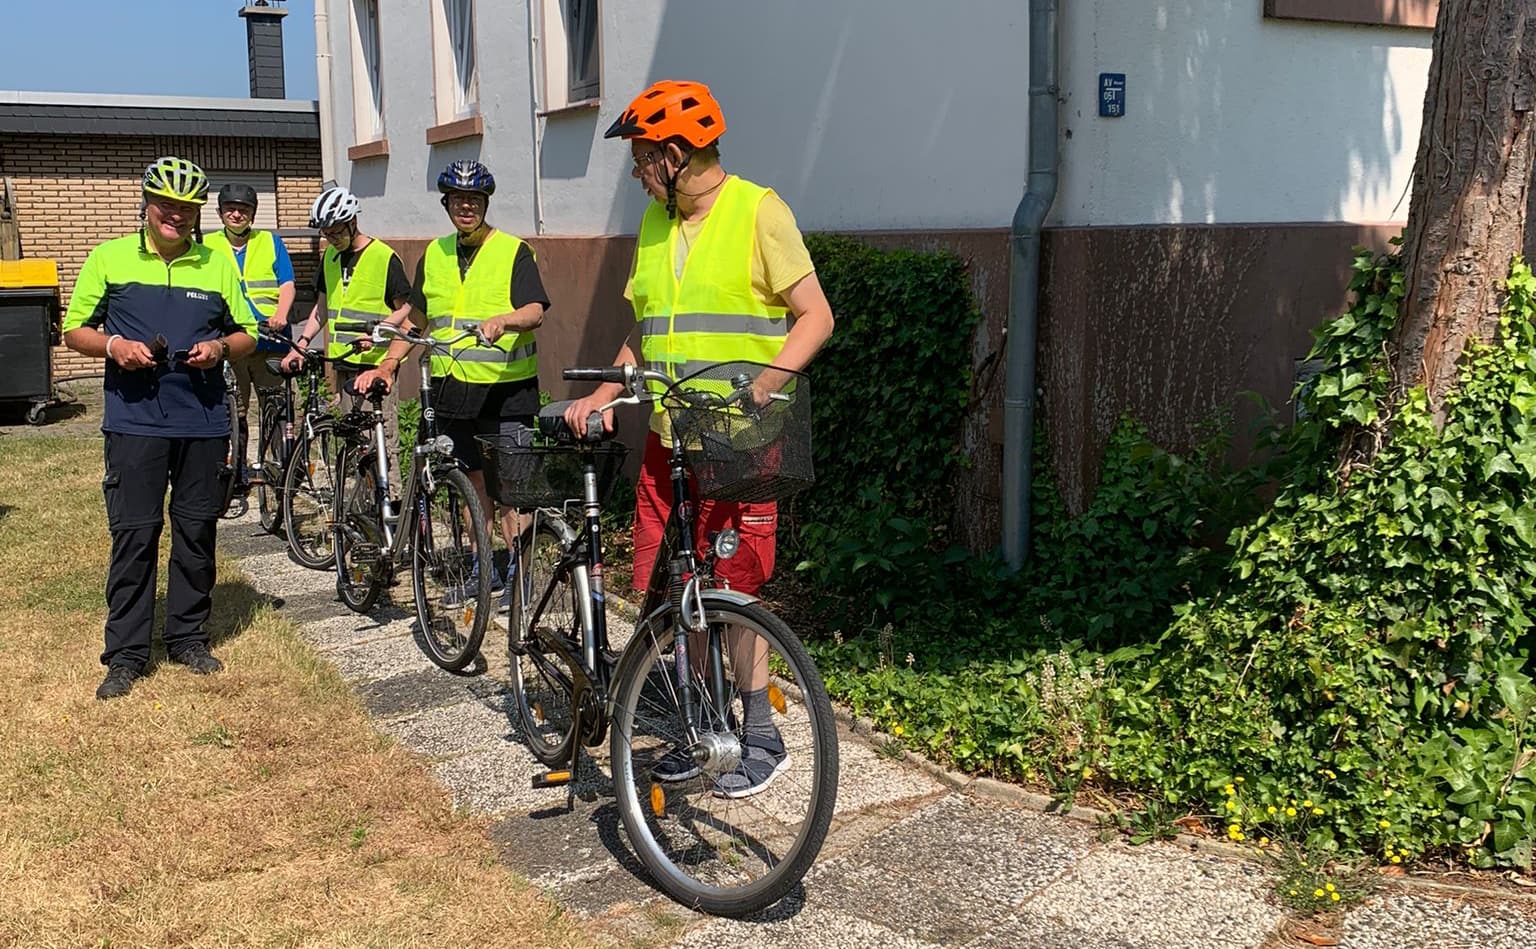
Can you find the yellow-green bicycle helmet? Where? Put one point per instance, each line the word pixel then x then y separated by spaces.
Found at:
pixel 177 179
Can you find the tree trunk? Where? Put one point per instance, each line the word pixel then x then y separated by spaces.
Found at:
pixel 1471 187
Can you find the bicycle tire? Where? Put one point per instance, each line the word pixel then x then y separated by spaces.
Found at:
pixel 269 493
pixel 452 565
pixel 309 482
pixel 359 581
pixel 676 828
pixel 541 679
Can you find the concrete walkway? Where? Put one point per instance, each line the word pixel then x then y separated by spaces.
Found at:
pixel 911 861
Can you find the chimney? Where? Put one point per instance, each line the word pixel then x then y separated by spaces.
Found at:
pixel 264 43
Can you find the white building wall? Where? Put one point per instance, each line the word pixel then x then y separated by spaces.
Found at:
pixel 862 113
pixel 899 114
pixel 1235 118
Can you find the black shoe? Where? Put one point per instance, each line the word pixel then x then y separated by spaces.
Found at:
pixel 118 683
pixel 197 658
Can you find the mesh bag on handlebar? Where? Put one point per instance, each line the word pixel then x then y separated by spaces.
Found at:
pixel 739 451
pixel 531 474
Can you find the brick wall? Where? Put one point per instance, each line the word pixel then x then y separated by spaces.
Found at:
pixel 75 191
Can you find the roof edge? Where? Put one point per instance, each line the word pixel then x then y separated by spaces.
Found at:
pixel 114 100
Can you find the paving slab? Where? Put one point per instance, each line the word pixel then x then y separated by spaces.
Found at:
pixel 1411 921
pixel 379 658
pixel 809 928
pixel 1148 897
pixel 953 869
pixel 422 689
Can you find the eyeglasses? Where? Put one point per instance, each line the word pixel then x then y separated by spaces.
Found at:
pixel 648 158
pixel 335 230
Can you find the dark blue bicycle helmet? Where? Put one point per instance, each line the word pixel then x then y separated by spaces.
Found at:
pixel 465 175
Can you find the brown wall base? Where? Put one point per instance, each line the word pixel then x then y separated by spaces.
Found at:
pixel 1169 324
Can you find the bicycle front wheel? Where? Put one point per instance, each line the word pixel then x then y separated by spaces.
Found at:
pixel 542 681
pixel 309 493
pixel 359 538
pixel 270 491
pixel 453 598
pixel 729 821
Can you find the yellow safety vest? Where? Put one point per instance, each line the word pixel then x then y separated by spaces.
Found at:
pixel 455 304
pixel 258 277
pixel 360 299
pixel 710 314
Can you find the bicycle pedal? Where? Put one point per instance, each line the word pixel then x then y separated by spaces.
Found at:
pixel 552 779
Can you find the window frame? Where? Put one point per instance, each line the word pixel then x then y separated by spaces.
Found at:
pixel 560 89
pixel 454 99
pixel 367 74
pixel 1410 14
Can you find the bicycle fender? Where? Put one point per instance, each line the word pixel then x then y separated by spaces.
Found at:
pixel 728 597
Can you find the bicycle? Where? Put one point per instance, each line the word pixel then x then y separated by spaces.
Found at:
pixel 679 715
pixel 308 480
pixel 447 538
pixel 275 439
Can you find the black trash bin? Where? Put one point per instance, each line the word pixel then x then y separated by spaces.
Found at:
pixel 29 329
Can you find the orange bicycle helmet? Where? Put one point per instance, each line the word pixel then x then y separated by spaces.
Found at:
pixel 672 109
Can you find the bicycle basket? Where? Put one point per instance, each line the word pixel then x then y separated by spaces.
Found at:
pixel 744 452
pixel 530 474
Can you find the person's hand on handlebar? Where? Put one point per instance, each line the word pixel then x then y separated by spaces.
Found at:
pixel 383 373
pixel 578 412
pixel 493 329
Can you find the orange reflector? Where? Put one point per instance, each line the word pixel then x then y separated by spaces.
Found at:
pixel 776 698
pixel 658 801
pixel 555 777
pixel 538 712
pixel 469 616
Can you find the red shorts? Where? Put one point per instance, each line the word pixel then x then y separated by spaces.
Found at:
pixel 757 523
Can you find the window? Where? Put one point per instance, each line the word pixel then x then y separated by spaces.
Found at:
pixel 367 74
pixel 1410 13
pixel 572 53
pixel 265 183
pixel 456 80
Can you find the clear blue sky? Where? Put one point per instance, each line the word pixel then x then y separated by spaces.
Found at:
pixel 137 46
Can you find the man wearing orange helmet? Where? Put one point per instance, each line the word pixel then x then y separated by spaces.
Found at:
pixel 745 256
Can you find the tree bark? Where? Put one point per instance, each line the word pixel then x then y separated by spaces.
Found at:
pixel 1472 189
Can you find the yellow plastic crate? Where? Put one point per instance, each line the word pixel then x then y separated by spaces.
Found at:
pixel 36 272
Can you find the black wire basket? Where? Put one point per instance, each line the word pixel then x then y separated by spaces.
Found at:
pixel 741 451
pixel 530 474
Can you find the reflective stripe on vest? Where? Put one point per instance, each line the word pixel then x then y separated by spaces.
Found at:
pixel 710 314
pixel 456 303
pixel 360 299
pixel 258 277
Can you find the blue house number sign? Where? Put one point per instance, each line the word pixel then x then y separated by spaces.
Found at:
pixel 1111 94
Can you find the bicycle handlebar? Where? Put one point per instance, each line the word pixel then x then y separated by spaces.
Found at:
pixel 617 374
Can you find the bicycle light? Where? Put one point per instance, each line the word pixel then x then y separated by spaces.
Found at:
pixel 727 542
pixel 442 444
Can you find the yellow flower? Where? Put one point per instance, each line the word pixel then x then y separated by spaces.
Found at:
pixel 1235 832
pixel 1290 812
pixel 1238 779
pixel 1271 808
pixel 1087 773
pixel 1231 805
pixel 1330 774
pixel 1230 790
pixel 1334 897
pixel 1293 891
pixel 1328 887
pixel 1386 792
pixel 1263 841
pixel 1317 811
pixel 1306 803
pixel 1318 893
pixel 1383 824
pixel 897 731
pixel 1396 858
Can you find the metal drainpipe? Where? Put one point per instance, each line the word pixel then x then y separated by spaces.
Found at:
pixel 535 107
pixel 323 91
pixel 1024 282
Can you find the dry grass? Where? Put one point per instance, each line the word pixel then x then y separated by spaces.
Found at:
pixel 256 807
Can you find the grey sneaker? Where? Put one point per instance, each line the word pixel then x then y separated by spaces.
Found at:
pixel 118 683
pixel 763 759
pixel 197 658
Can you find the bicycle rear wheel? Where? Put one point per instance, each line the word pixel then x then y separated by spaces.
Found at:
pixel 730 823
pixel 359 538
pixel 269 493
pixel 453 599
pixel 542 680
pixel 309 493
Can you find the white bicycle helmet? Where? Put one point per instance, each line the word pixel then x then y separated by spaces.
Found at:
pixel 334 206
